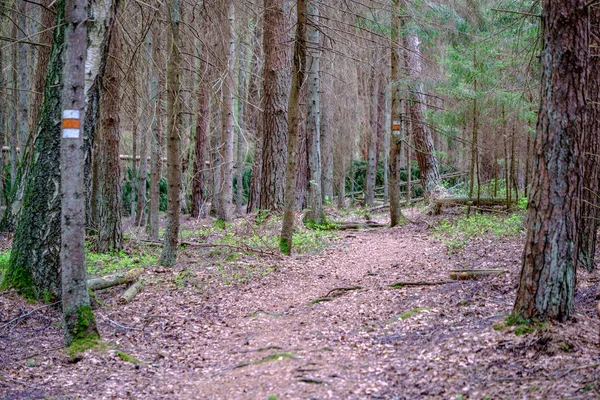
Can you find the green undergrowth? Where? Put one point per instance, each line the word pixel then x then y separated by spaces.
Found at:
pixel 4 258
pixel 119 261
pixel 412 312
pixel 128 358
pixel 245 236
pixel 522 326
pixel 455 233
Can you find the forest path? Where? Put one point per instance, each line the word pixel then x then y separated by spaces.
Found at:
pixel 264 337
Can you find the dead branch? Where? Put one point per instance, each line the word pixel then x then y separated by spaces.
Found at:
pixel 465 274
pixel 401 284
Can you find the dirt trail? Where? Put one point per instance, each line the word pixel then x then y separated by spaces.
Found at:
pixel 262 338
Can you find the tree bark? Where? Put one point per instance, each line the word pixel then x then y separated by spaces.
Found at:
pixel 106 159
pixel 225 209
pixel 421 133
pixel 79 323
pixel 313 122
pixel 298 73
pixel 198 179
pixel 275 106
pixel 372 141
pixel 241 127
pixel 175 122
pixel 547 283
pixel 157 136
pixel 397 136
pixel 591 150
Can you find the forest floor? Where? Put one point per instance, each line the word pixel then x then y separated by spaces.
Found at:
pixel 263 326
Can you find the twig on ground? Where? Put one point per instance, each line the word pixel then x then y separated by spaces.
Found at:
pixel 21 317
pixel 115 323
pixel 399 285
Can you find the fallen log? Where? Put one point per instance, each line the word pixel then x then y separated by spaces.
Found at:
pixel 400 285
pixel 344 226
pixel 114 280
pixel 468 201
pixel 131 292
pixel 465 274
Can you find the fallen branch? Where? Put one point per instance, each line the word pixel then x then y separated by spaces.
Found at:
pixel 400 285
pixel 335 293
pixel 465 274
pixel 342 290
pixel 130 293
pixel 344 226
pixel 114 280
pixel 20 317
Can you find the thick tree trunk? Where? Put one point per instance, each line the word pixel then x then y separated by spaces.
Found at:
pixel 225 209
pixel 106 159
pixel 275 106
pixel 175 122
pixel 548 280
pixel 313 122
pixel 34 261
pixel 298 73
pixel 421 133
pixel 79 323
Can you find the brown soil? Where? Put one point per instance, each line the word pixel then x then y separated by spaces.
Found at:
pixel 200 340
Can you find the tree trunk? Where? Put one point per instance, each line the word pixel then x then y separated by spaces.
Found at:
pixel 202 117
pixel 175 122
pixel 298 73
pixel 34 261
pixel 591 149
pixel 372 141
pixel 275 106
pixel 224 211
pixel 41 65
pixel 106 159
pixel 24 78
pixel 241 127
pixel 421 133
pixel 140 214
pixel 134 141
pixel 156 141
pixel 79 323
pixel 313 122
pixel 548 280
pixel 397 135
